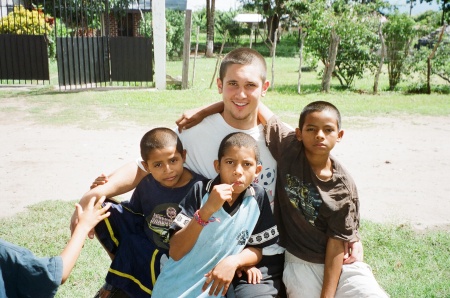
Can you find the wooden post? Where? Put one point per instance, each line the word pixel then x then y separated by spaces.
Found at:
pixel 195 55
pixel 186 49
pixel 159 39
pixel 252 30
pixel 383 51
pixel 300 54
pixel 433 52
pixel 274 50
pixel 331 61
pixel 219 59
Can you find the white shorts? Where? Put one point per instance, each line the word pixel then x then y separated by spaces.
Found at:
pixel 305 279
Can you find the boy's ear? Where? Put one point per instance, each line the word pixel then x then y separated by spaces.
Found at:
pixel 340 135
pixel 144 164
pixel 298 134
pixel 217 166
pixel 219 85
pixel 258 170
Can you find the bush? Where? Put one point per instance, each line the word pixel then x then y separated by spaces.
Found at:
pixel 22 21
pixel 174 31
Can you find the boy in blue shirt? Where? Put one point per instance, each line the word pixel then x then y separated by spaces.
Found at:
pixel 24 275
pixel 223 225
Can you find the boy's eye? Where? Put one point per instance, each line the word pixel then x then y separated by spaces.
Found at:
pixel 173 160
pixel 229 162
pixel 247 164
pixel 157 165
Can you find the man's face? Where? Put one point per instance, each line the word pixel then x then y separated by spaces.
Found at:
pixel 241 91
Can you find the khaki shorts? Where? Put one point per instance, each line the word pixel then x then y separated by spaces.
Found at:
pixel 305 279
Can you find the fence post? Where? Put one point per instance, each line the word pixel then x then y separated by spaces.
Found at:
pixel 186 49
pixel 159 35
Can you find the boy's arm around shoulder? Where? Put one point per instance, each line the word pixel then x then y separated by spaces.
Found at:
pixel 122 180
pixel 88 218
pixel 275 131
pixel 193 117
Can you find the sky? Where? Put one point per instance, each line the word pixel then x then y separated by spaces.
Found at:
pixel 226 5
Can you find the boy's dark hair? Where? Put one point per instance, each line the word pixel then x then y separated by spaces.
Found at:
pixel 319 106
pixel 242 56
pixel 238 139
pixel 159 138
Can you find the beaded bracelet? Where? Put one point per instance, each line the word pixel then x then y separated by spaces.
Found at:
pixel 201 222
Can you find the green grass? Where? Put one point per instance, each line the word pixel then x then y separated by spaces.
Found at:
pixel 106 107
pixel 405 263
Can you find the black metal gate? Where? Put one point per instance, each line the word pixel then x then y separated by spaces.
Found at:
pixel 24 33
pixel 100 44
pixel 95 42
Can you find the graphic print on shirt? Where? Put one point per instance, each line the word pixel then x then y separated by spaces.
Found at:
pixel 242 237
pixel 159 222
pixel 303 196
pixel 266 179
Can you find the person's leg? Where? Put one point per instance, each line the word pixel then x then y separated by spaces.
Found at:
pixel 357 280
pixel 301 278
pixel 271 285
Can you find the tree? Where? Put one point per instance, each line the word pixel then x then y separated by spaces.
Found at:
pixel 445 6
pixel 399 32
pixel 210 11
pixel 356 25
pixel 272 10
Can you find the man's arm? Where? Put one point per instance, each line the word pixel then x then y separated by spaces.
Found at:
pixel 264 113
pixel 333 267
pixel 88 219
pixel 193 117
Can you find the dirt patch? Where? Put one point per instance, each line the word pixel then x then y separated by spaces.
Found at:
pixel 399 164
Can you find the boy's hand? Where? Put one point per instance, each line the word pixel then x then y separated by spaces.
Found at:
pixel 353 252
pixel 92 214
pixel 189 119
pixel 254 275
pixel 100 180
pixel 220 276
pixel 220 194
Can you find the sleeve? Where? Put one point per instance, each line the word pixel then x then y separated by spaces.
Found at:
pixel 190 204
pixel 275 135
pixel 265 232
pixel 343 223
pixel 26 275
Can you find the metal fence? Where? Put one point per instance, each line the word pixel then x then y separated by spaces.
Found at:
pixel 95 43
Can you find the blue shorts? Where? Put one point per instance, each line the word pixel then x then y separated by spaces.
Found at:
pixel 137 260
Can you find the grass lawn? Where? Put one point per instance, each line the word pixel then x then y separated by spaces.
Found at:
pixel 407 264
